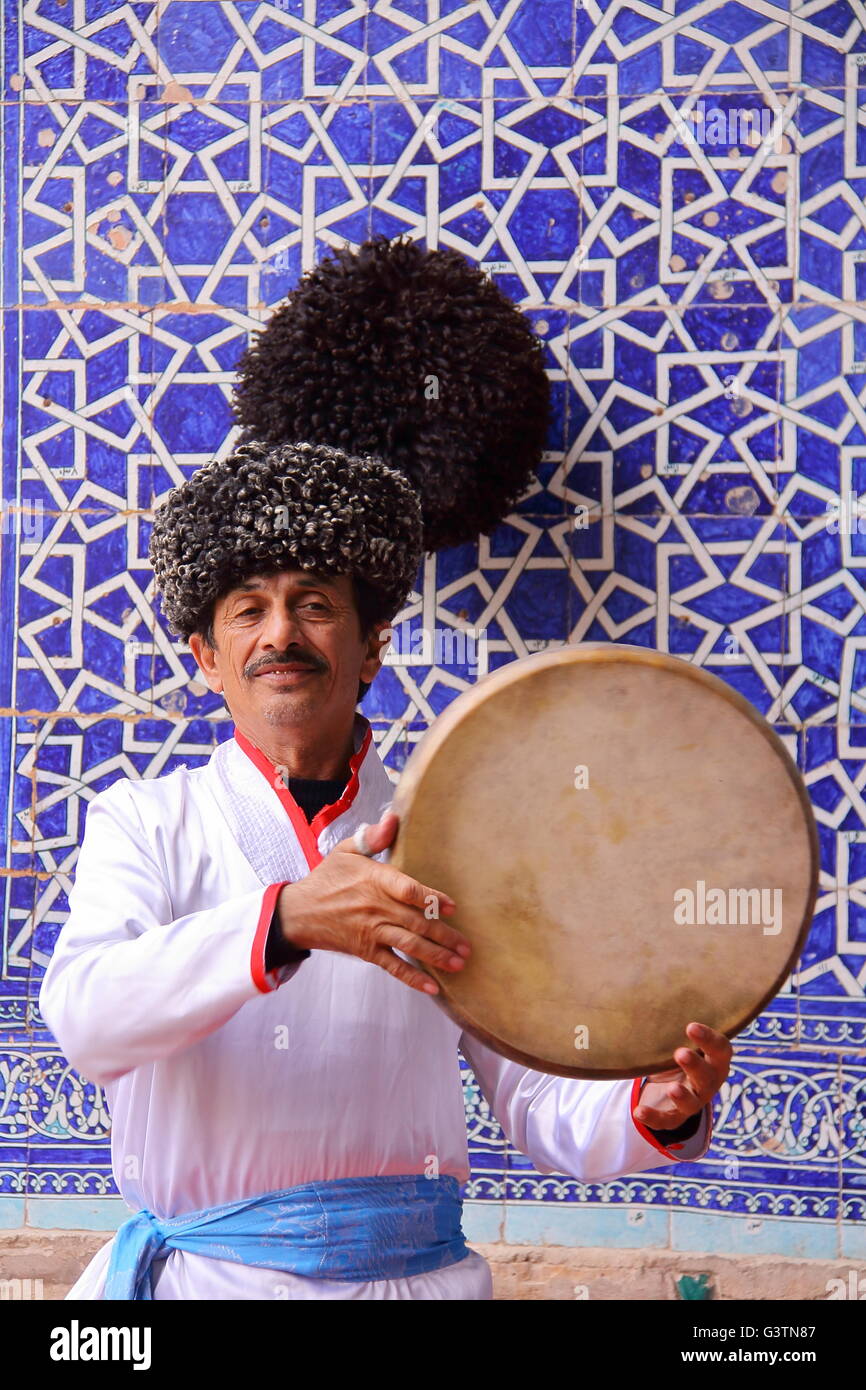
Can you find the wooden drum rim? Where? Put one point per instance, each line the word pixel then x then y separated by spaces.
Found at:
pixel 595 653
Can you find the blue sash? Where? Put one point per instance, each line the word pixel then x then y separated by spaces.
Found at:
pixel 352 1229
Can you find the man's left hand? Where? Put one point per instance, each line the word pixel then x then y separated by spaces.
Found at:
pixel 670 1097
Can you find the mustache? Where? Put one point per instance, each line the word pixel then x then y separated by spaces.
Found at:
pixel 286 658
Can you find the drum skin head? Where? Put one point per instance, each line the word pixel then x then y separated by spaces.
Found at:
pixel 630 849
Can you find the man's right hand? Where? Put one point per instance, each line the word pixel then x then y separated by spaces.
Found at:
pixel 355 905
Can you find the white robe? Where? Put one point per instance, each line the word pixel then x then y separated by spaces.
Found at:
pixel 223 1082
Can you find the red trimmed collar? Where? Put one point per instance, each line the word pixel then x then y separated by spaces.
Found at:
pixel 308 832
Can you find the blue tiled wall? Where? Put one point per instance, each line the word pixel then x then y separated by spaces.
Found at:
pixel 675 196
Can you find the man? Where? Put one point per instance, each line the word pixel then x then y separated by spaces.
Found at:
pixel 237 967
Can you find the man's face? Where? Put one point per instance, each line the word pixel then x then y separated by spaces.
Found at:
pixel 288 649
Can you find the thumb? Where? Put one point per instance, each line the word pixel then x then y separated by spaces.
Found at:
pixel 378 836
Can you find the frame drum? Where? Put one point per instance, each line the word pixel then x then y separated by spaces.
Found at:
pixel 630 848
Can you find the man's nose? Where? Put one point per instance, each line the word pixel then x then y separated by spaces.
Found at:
pixel 281 629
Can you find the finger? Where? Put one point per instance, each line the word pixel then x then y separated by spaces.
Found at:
pixel 403 971
pixel 418 946
pixel 699 1074
pixel 715 1046
pixel 419 925
pixel 376 837
pixel 654 1118
pixel 398 885
pixel 404 889
pixel 670 1113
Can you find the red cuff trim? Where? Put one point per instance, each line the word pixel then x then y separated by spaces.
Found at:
pixel 647 1134
pixel 262 979
pixel 642 1130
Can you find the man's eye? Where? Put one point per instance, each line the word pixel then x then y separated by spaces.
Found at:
pixel 245 612
pixel 315 604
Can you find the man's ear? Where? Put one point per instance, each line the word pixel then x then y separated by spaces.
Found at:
pixel 377 646
pixel 205 660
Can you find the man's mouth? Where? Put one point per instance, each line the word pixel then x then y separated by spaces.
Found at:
pixel 279 671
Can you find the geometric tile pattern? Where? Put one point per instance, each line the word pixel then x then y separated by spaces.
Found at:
pixel 676 196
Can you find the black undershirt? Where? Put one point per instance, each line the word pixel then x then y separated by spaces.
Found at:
pixel 312 794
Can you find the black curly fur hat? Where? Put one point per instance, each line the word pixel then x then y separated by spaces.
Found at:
pixel 415 356
pixel 264 507
pixel 395 403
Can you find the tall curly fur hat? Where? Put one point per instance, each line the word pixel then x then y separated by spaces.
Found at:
pixel 292 504
pixel 397 402
pixel 415 356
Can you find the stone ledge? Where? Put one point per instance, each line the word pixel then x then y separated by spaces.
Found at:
pixel 520 1272
pixel 562 1272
